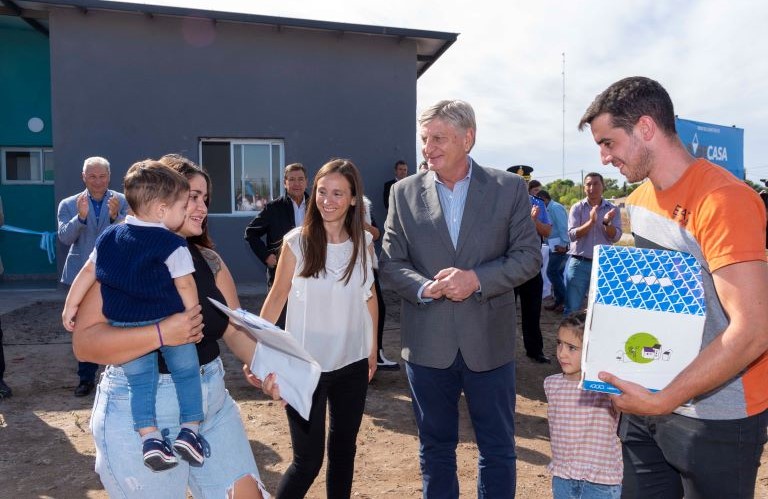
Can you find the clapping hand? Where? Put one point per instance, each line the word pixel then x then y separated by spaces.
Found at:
pixel 114 208
pixel 82 206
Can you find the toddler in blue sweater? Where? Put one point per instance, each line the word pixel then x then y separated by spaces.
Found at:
pixel 145 272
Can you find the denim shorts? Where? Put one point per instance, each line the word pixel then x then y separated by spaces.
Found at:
pixel 119 459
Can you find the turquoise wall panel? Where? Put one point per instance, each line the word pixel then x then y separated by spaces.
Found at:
pixel 29 207
pixel 25 92
pixel 25 87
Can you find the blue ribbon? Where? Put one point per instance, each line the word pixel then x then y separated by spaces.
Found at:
pixel 47 239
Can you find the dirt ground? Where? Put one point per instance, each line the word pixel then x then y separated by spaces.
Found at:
pixel 46 450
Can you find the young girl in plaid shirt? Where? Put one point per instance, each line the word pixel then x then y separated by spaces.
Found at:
pixel 586 453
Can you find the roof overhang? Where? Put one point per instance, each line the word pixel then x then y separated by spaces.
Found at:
pixel 430 45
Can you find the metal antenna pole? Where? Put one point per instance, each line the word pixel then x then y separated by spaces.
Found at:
pixel 563 115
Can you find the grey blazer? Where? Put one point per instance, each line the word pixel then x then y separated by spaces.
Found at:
pixel 497 239
pixel 81 237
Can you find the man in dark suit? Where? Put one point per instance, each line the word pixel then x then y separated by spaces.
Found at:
pixel 277 218
pixel 458 239
pixel 401 171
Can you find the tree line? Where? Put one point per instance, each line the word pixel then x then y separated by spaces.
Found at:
pixel 567 192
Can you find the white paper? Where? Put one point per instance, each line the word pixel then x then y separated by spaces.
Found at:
pixel 278 352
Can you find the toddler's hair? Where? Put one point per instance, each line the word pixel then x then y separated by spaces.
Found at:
pixel 575 322
pixel 147 181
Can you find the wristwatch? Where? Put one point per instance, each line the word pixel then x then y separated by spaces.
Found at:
pixel 606 222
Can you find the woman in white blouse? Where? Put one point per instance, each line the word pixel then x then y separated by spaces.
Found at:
pixel 324 272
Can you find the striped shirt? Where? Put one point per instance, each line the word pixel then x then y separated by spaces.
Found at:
pixel 452 202
pixel 720 220
pixel 582 432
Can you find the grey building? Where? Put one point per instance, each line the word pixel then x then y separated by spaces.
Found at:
pixel 243 95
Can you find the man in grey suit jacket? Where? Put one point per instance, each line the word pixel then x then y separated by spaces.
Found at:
pixel 458 239
pixel 82 217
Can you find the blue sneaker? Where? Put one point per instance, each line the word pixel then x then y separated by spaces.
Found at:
pixel 158 455
pixel 190 446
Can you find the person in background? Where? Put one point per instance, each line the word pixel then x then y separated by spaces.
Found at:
pixel 401 171
pixel 82 218
pixel 531 291
pixel 229 472
pixel 5 390
pixel 703 434
pixel 534 186
pixel 277 219
pixel 381 361
pixel 591 221
pixel 325 276
pixel 558 251
pixel 586 453
pixel 458 239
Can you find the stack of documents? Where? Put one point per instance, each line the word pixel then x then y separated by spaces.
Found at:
pixel 278 352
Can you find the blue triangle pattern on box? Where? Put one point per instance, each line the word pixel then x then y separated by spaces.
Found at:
pixel 657 280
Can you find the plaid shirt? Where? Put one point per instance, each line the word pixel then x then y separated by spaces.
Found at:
pixel 582 428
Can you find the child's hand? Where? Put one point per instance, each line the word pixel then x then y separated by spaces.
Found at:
pixel 68 318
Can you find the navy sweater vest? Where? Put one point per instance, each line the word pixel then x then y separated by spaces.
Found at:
pixel 136 284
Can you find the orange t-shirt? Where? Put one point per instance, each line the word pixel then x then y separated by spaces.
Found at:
pixel 721 221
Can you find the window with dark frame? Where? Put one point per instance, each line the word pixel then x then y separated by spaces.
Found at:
pixel 246 174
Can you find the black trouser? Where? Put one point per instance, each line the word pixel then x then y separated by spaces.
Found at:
pixel 281 320
pixel 2 354
pixel 382 311
pixel 530 313
pixel 344 392
pixel 86 372
pixel 673 456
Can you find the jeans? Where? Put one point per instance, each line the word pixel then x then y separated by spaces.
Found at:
pixel 119 460
pixel 343 391
pixel 564 488
pixel 490 396
pixel 577 277
pixel 142 374
pixel 555 269
pixel 673 456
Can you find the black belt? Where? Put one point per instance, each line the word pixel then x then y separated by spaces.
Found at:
pixel 579 257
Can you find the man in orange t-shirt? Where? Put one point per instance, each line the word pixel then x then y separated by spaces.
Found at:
pixel 702 435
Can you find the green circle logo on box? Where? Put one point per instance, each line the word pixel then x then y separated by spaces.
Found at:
pixel 642 348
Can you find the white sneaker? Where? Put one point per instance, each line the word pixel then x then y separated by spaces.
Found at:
pixel 384 363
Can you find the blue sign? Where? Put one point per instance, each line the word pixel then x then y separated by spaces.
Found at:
pixel 722 145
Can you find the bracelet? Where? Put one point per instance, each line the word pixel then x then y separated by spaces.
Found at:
pixel 159 334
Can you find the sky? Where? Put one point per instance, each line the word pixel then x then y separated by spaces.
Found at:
pixel 508 63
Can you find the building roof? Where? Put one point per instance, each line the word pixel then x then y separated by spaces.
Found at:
pixel 430 45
